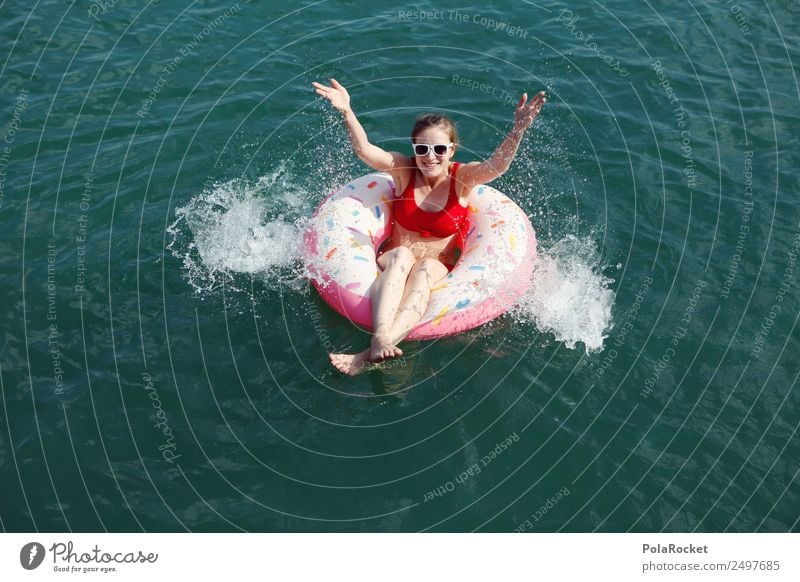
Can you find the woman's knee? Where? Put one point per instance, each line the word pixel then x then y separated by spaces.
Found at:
pixel 398 256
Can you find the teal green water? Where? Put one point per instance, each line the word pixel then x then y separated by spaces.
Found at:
pixel 164 362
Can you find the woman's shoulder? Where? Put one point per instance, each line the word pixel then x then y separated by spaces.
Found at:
pixel 401 171
pixel 464 182
pixel 401 162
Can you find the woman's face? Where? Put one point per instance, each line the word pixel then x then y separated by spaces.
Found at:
pixel 430 164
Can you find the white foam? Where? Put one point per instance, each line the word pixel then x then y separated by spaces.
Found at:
pixel 570 297
pixel 237 227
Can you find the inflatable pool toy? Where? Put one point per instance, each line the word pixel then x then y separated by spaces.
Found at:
pixel 492 273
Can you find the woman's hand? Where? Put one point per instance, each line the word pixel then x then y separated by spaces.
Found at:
pixel 527 111
pixel 375 157
pixel 336 94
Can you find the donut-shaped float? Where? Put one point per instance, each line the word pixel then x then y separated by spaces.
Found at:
pixel 492 273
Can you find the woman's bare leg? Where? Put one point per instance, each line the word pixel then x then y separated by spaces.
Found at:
pixel 387 294
pixel 424 275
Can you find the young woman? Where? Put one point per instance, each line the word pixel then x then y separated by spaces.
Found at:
pixel 430 217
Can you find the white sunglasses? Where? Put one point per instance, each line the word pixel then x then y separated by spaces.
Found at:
pixel 422 149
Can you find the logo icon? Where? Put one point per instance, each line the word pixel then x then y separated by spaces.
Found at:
pixel 31 555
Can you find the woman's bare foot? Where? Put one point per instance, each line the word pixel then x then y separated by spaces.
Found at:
pixel 351 364
pixel 381 350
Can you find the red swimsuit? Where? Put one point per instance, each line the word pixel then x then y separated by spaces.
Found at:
pixel 453 219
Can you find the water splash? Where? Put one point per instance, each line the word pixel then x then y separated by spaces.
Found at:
pixel 570 297
pixel 237 227
pixel 234 230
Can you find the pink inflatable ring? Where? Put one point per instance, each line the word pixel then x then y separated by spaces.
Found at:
pixel 494 271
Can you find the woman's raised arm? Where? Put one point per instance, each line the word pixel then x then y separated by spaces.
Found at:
pixel 372 155
pixel 484 172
